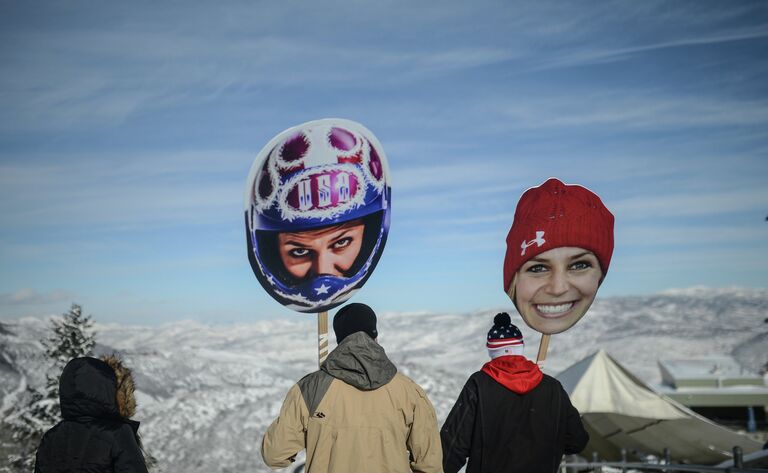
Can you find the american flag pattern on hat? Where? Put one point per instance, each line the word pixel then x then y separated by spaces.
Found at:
pixel 504 333
pixel 494 343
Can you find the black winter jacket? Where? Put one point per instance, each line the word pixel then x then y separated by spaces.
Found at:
pixel 95 435
pixel 503 431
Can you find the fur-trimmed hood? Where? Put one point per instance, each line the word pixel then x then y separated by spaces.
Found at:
pixel 126 399
pixel 101 388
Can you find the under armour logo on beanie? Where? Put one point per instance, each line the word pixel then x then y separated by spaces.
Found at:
pixel 353 318
pixel 504 338
pixel 553 215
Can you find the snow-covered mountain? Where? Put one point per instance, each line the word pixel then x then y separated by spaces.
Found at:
pixel 206 393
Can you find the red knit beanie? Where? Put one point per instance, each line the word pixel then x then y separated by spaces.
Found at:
pixel 555 215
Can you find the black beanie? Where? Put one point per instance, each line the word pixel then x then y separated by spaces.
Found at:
pixel 353 318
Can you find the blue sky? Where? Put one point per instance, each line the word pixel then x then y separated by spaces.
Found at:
pixel 127 132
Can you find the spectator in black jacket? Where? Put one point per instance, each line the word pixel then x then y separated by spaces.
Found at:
pixel 96 433
pixel 510 417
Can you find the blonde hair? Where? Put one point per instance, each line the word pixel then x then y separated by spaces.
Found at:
pixel 511 288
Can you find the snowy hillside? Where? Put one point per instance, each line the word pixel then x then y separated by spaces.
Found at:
pixel 207 392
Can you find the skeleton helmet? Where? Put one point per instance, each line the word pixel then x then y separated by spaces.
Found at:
pixel 317 174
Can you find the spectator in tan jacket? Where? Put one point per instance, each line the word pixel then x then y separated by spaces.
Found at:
pixel 356 413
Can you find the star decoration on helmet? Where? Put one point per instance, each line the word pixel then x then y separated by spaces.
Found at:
pixel 316 174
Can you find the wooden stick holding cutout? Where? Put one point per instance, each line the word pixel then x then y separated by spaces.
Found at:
pixel 543 347
pixel 334 199
pixel 559 249
pixel 322 337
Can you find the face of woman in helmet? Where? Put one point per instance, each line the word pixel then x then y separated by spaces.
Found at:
pixel 554 289
pixel 326 251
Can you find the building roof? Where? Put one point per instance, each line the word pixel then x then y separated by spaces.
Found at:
pixel 714 381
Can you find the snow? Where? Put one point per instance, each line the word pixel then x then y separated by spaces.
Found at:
pixel 208 392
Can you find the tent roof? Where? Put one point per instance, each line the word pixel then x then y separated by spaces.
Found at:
pixel 620 411
pixel 599 384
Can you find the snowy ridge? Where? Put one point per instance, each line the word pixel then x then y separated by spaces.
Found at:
pixel 208 392
pixel 705 291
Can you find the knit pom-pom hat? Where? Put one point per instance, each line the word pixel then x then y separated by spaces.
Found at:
pixel 504 338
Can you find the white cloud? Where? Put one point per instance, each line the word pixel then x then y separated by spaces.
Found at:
pixel 584 56
pixel 183 187
pixel 690 263
pixel 469 243
pixel 633 109
pixel 106 75
pixel 480 174
pixel 656 235
pixel 691 204
pixel 71 77
pixel 30 297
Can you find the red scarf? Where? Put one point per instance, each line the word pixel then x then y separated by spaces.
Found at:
pixel 514 372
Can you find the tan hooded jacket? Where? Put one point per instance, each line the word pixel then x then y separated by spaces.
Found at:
pixel 356 414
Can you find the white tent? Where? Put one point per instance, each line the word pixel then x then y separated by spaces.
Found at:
pixel 620 411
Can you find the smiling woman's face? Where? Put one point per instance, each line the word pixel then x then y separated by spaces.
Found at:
pixel 327 251
pixel 554 289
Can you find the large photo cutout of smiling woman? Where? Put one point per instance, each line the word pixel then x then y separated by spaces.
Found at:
pixel 558 253
pixel 317 209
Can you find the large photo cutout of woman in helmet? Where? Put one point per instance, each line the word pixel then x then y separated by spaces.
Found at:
pixel 317 209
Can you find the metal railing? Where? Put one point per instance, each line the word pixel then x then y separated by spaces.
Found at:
pixel 625 466
pixel 666 466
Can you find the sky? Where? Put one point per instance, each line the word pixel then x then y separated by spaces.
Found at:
pixel 127 131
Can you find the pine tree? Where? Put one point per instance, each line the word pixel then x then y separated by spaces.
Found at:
pixel 72 337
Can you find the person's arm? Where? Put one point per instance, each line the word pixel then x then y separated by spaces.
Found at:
pixel 456 434
pixel 576 437
pixel 126 454
pixel 424 439
pixel 286 436
pixel 39 453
